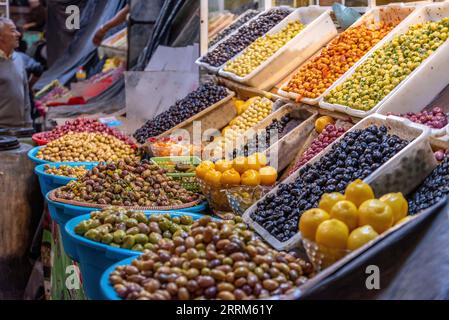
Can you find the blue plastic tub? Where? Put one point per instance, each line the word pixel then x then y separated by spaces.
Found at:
pixel 95 257
pixel 107 290
pixel 49 182
pixel 61 213
pixel 32 156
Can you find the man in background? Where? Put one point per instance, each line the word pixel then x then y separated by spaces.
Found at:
pixel 15 104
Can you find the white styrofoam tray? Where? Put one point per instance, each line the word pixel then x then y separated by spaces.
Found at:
pixel 390 13
pixel 216 69
pixel 423 83
pixel 319 30
pixel 382 179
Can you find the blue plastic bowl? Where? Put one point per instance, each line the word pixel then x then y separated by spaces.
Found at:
pixel 61 213
pixel 95 257
pixel 49 182
pixel 107 290
pixel 32 156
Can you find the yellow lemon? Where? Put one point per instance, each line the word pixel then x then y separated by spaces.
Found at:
pixel 361 236
pixel 346 212
pixel 328 200
pixel 377 214
pixel 398 204
pixel 332 233
pixel 309 222
pixel 358 191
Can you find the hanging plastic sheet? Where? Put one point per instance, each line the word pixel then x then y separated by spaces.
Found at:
pixel 81 50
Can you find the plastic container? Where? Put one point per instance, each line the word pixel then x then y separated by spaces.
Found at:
pixel 390 13
pixel 95 257
pixel 402 173
pixel 319 30
pixel 107 291
pixel 61 213
pixel 432 71
pixel 215 70
pixel 49 182
pixel 32 156
pixel 37 138
pixel 186 179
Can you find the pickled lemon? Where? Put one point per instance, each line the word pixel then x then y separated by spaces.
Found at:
pixel 398 204
pixel 332 233
pixel 250 178
pixel 346 212
pixel 223 165
pixel 358 192
pixel 240 164
pixel 309 222
pixel 213 178
pixel 322 122
pixel 361 236
pixel 230 178
pixel 377 214
pixel 268 176
pixel 328 200
pixel 203 168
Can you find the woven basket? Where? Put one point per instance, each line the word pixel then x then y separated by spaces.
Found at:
pixel 52 197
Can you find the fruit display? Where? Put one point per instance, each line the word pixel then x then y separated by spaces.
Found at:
pixel 358 154
pixel 346 222
pixel 319 73
pixel 216 260
pixel 247 171
pixel 388 66
pixel 242 175
pixel 275 131
pixel 133 230
pixel 248 15
pixel 435 118
pixel 86 147
pixel 433 189
pixel 325 138
pixel 246 35
pixel 66 171
pixel 203 97
pixel 262 49
pixel 127 183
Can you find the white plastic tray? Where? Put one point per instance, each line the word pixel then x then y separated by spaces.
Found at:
pixel 424 83
pixel 319 30
pixel 215 70
pixel 390 13
pixel 399 174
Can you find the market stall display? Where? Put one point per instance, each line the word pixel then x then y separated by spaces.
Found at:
pixel 237 267
pixel 388 66
pixel 243 37
pixel 273 56
pixel 281 176
pixel 321 71
pixel 345 222
pixel 86 147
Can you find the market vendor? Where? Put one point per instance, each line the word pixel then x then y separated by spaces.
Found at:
pixel 119 18
pixel 15 104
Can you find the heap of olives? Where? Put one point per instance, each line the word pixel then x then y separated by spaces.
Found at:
pixel 262 49
pixel 127 183
pixel 389 66
pixel 127 229
pixel 213 260
pixel 86 147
